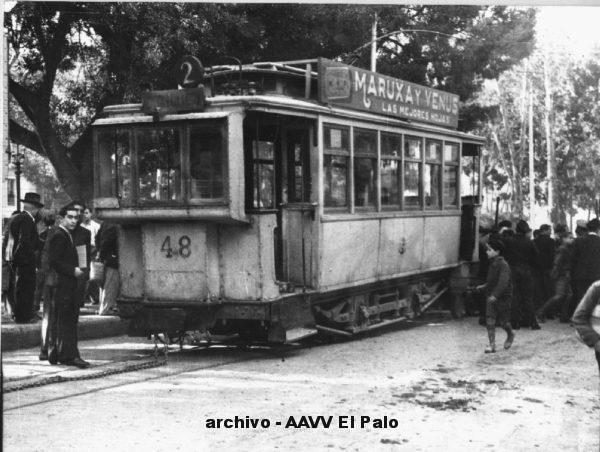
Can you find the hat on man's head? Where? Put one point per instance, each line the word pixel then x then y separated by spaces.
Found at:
pixel 33 198
pixel 545 228
pixel 523 227
pixel 593 224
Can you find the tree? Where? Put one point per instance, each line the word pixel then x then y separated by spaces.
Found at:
pixel 69 60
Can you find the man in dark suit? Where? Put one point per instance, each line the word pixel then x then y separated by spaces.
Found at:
pixel 25 236
pixel 586 262
pixel 62 258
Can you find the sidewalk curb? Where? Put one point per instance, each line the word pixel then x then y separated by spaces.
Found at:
pixel 18 336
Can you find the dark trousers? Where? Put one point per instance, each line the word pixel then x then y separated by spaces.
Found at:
pixel 560 301
pixel 544 288
pixel 49 324
pixel 40 278
pixel 67 316
pixel 598 359
pixel 522 310
pixel 24 288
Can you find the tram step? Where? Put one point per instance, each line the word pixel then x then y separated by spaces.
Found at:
pixel 296 334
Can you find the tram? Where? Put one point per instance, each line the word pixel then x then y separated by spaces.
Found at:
pixel 277 200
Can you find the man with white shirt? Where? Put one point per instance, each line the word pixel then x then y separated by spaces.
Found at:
pixel 91 225
pixel 25 236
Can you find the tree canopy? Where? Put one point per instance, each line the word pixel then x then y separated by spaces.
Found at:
pixel 69 60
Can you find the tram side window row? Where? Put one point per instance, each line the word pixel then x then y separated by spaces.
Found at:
pixel 166 165
pixel 413 172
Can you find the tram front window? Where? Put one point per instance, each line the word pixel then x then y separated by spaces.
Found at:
pixel 159 165
pixel 206 163
pixel 115 164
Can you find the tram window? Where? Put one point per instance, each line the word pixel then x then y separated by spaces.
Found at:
pixel 389 169
pixel 206 163
pixel 365 162
pixel 159 165
pixel 433 174
pixel 451 164
pixel 263 153
pixel 335 166
pixel 114 157
pixel 412 171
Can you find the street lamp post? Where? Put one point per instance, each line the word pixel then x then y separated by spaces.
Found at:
pixel 16 158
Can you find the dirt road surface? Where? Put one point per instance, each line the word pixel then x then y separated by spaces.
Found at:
pixel 430 381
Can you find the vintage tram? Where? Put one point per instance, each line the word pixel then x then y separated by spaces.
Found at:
pixel 276 200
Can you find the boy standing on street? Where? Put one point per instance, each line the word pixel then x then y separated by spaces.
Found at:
pixel 498 289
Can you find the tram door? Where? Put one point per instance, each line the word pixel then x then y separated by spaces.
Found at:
pixel 277 150
pixel 291 264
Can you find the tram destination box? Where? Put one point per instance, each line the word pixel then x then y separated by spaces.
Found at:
pixel 174 101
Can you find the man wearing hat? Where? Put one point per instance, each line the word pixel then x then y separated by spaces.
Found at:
pixel 525 258
pixel 24 232
pixel 586 262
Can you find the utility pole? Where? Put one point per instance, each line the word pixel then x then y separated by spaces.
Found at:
pixel 531 170
pixel 550 157
pixel 374 44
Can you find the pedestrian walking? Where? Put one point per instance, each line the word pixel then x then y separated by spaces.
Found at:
pixel 586 319
pixel 561 275
pixel 63 259
pixel 498 289
pixel 92 290
pixel 524 260
pixel 24 232
pixel 109 256
pixel 586 262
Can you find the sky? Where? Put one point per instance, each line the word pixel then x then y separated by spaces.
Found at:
pixel 575 27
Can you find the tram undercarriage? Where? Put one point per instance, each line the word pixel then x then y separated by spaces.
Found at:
pixel 294 316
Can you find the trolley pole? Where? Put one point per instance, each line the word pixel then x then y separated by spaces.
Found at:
pixel 374 44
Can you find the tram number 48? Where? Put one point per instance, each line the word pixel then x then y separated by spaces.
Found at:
pixel 184 247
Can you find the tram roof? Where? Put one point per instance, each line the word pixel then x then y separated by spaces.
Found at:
pixel 132 113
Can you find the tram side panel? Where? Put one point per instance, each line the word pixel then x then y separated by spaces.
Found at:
pixel 359 252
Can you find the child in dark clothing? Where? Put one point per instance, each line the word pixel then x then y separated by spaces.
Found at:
pixel 498 289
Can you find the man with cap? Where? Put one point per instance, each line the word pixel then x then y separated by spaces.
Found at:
pixel 525 258
pixel 24 233
pixel 586 262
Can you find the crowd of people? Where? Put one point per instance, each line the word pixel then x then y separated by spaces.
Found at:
pixel 47 258
pixel 531 276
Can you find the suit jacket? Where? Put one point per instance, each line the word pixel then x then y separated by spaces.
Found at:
pixel 62 258
pixel 25 234
pixel 586 258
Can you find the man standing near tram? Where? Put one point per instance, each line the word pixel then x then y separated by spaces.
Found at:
pixel 63 259
pixel 25 236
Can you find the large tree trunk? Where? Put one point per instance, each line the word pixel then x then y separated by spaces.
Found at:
pixel 73 165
